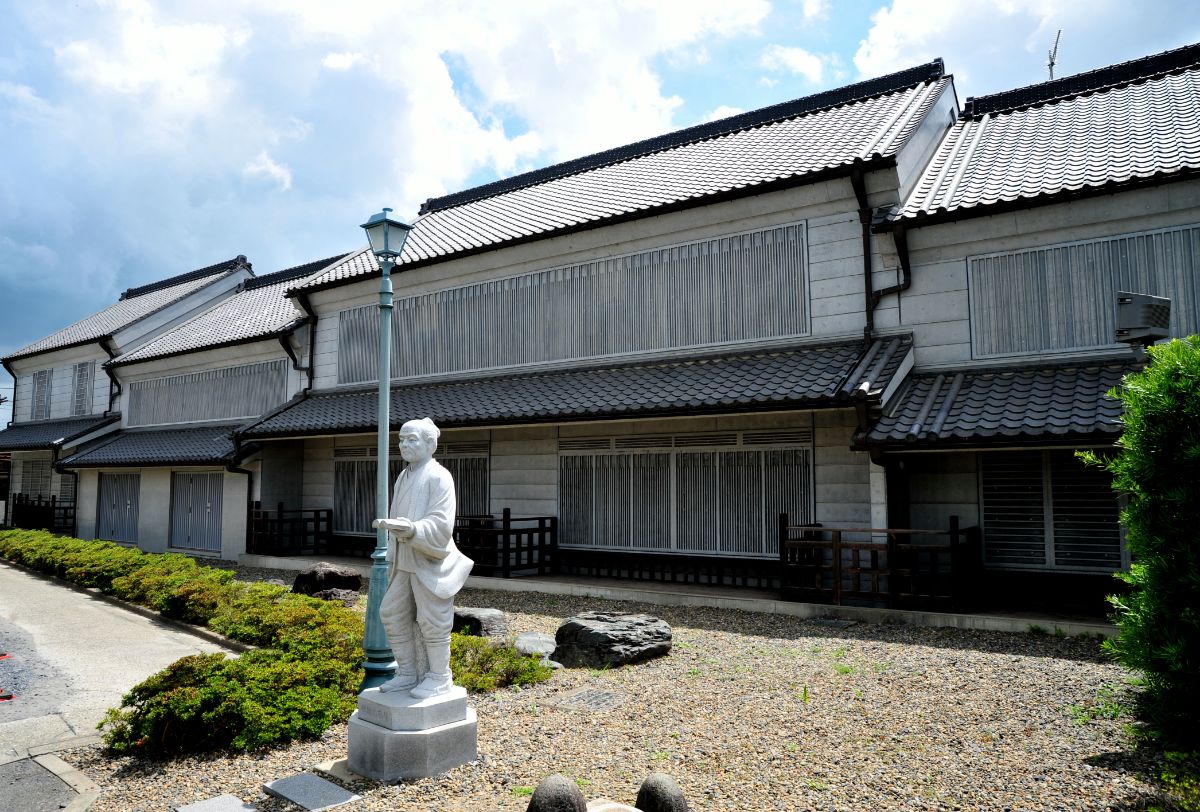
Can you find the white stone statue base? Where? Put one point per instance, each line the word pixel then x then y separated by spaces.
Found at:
pixel 394 735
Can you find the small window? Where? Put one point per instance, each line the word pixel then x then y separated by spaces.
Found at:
pixel 35 478
pixel 83 388
pixel 41 394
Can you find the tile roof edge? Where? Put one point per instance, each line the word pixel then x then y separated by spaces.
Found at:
pixel 939 216
pixel 287 329
pixel 1007 368
pixel 825 100
pixel 237 263
pixel 1066 439
pixel 82 342
pixel 294 400
pixel 840 170
pixel 295 272
pixel 1109 76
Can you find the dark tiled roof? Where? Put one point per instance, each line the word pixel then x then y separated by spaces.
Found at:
pixel 135 304
pixel 1139 131
pixel 258 311
pixel 45 434
pixel 207 445
pixel 979 407
pixel 747 154
pixel 811 376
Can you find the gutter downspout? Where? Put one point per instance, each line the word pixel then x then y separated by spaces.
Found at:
pixel 114 386
pixel 900 236
pixel 858 182
pixel 54 450
pixel 312 336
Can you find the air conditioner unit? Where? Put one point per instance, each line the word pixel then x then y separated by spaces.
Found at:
pixel 1142 318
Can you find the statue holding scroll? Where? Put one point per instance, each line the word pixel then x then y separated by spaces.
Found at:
pixel 425 568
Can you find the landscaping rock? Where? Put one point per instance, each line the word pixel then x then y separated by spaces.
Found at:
pixel 660 793
pixel 536 644
pixel 557 794
pixel 605 639
pixel 490 623
pixel 348 597
pixel 322 576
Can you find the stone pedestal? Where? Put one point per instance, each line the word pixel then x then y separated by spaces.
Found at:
pixel 394 736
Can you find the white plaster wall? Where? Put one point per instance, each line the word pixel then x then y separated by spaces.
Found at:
pixel 842 477
pixel 87 506
pixel 154 510
pixel 524 471
pixel 936 307
pixel 828 208
pixel 941 486
pixel 234 504
pixel 62 385
pixel 318 473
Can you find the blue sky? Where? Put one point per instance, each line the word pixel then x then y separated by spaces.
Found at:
pixel 140 139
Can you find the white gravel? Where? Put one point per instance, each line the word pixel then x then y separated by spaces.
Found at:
pixel 748 712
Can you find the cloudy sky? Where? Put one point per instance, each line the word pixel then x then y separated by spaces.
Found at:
pixel 141 139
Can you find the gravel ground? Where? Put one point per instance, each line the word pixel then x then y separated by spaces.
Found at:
pixel 748 712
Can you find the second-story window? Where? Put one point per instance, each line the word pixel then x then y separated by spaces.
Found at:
pixel 41 394
pixel 83 388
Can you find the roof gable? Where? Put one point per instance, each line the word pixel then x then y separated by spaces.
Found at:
pixel 134 305
pixel 1133 123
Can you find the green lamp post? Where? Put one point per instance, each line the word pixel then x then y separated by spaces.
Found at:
pixel 387 237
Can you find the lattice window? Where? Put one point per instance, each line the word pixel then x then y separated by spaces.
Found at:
pixel 1047 510
pixel 354 472
pixel 41 394
pixel 683 296
pixel 84 373
pixel 1063 297
pixel 35 478
pixel 215 394
pixel 697 494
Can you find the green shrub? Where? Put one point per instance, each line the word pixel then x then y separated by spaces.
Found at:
pixel 1158 466
pixel 303 677
pixel 480 665
pixel 207 701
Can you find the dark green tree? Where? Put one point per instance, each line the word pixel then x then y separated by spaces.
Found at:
pixel 1157 467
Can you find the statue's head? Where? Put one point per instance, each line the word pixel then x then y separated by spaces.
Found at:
pixel 418 440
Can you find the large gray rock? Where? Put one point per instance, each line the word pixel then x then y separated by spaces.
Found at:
pixel 322 576
pixel 660 793
pixel 604 639
pixel 557 794
pixel 490 623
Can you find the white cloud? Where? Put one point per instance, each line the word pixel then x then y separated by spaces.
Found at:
pixel 342 61
pixel 724 111
pixel 815 9
pixel 264 166
pixel 993 45
pixel 176 67
pixel 782 58
pixel 23 102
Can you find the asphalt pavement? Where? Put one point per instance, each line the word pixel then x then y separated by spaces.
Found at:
pixel 70 656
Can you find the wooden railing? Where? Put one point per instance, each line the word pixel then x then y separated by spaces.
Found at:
pixel 41 513
pixel 508 545
pixel 919 569
pixel 281 531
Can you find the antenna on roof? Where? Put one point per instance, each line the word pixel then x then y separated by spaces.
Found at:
pixel 1053 55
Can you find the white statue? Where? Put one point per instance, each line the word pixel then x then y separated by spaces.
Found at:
pixel 425 569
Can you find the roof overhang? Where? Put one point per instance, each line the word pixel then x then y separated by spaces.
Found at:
pixel 813 376
pixel 46 435
pixel 173 447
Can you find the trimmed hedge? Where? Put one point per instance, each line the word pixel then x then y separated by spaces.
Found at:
pixel 303 677
pixel 1157 466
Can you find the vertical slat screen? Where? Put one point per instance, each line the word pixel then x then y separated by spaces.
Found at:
pixel 1063 297
pixel 704 502
pixel 41 394
pixel 196 511
pixel 1014 518
pixel 83 388
pixel 1087 532
pixel 688 295
pixel 354 489
pixel 35 478
pixel 215 394
pixel 118 507
pixel 1046 509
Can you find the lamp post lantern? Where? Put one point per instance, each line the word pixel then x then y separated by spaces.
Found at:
pixel 387 237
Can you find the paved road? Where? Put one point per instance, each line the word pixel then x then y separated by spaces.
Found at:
pixel 71 657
